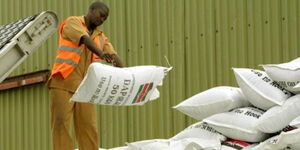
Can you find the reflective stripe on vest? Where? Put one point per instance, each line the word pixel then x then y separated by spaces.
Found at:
pixel 68 54
pixel 70 49
pixel 68 61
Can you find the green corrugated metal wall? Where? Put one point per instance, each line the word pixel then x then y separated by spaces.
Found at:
pixel 202 39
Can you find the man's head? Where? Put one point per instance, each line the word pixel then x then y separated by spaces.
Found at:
pixel 97 14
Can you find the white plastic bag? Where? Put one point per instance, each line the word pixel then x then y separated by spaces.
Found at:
pixel 162 144
pixel 196 144
pixel 213 101
pixel 295 145
pixel 250 147
pixel 285 139
pixel 199 130
pixel 297 88
pixel 278 117
pixel 288 139
pixel 259 89
pixel 119 148
pixel 295 122
pixel 269 144
pixel 107 85
pixel 116 148
pixel 286 74
pixel 182 144
pixel 238 124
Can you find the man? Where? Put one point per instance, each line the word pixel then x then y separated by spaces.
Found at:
pixel 80 44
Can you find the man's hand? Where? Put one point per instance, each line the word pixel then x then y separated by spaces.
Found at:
pixel 108 58
pixel 117 62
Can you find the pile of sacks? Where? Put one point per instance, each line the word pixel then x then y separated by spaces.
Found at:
pixel 262 114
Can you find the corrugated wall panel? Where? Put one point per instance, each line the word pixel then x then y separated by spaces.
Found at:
pixel 290 28
pixel 24 114
pixel 199 29
pixel 177 77
pixel 202 40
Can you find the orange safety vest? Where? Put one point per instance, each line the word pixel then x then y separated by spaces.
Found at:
pixel 68 54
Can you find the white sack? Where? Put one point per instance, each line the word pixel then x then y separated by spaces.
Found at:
pixel 295 122
pixel 199 130
pixel 238 124
pixel 269 144
pixel 297 88
pixel 284 140
pixel 196 144
pixel 250 147
pixel 295 146
pixel 286 74
pixel 107 85
pixel 116 148
pixel 278 117
pixel 259 89
pixel 148 144
pixel 182 144
pixel 288 139
pixel 119 148
pixel 225 147
pixel 213 101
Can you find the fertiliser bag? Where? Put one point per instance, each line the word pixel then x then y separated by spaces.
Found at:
pixel 107 85
pixel 278 117
pixel 212 101
pixel 200 130
pixel 259 89
pixel 239 124
pixel 287 75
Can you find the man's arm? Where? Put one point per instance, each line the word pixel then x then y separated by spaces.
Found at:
pixel 89 43
pixel 110 58
pixel 117 61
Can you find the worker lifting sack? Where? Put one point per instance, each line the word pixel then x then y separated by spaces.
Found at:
pixel 107 85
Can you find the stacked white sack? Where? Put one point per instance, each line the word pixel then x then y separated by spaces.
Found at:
pixel 164 144
pixel 201 130
pixel 286 74
pixel 295 122
pixel 120 148
pixel 297 87
pixel 242 124
pixel 116 148
pixel 196 136
pixel 107 85
pixel 287 139
pixel 213 101
pixel 278 117
pixel 259 89
pixel 239 124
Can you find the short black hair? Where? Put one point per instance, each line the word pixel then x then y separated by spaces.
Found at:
pixel 99 5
